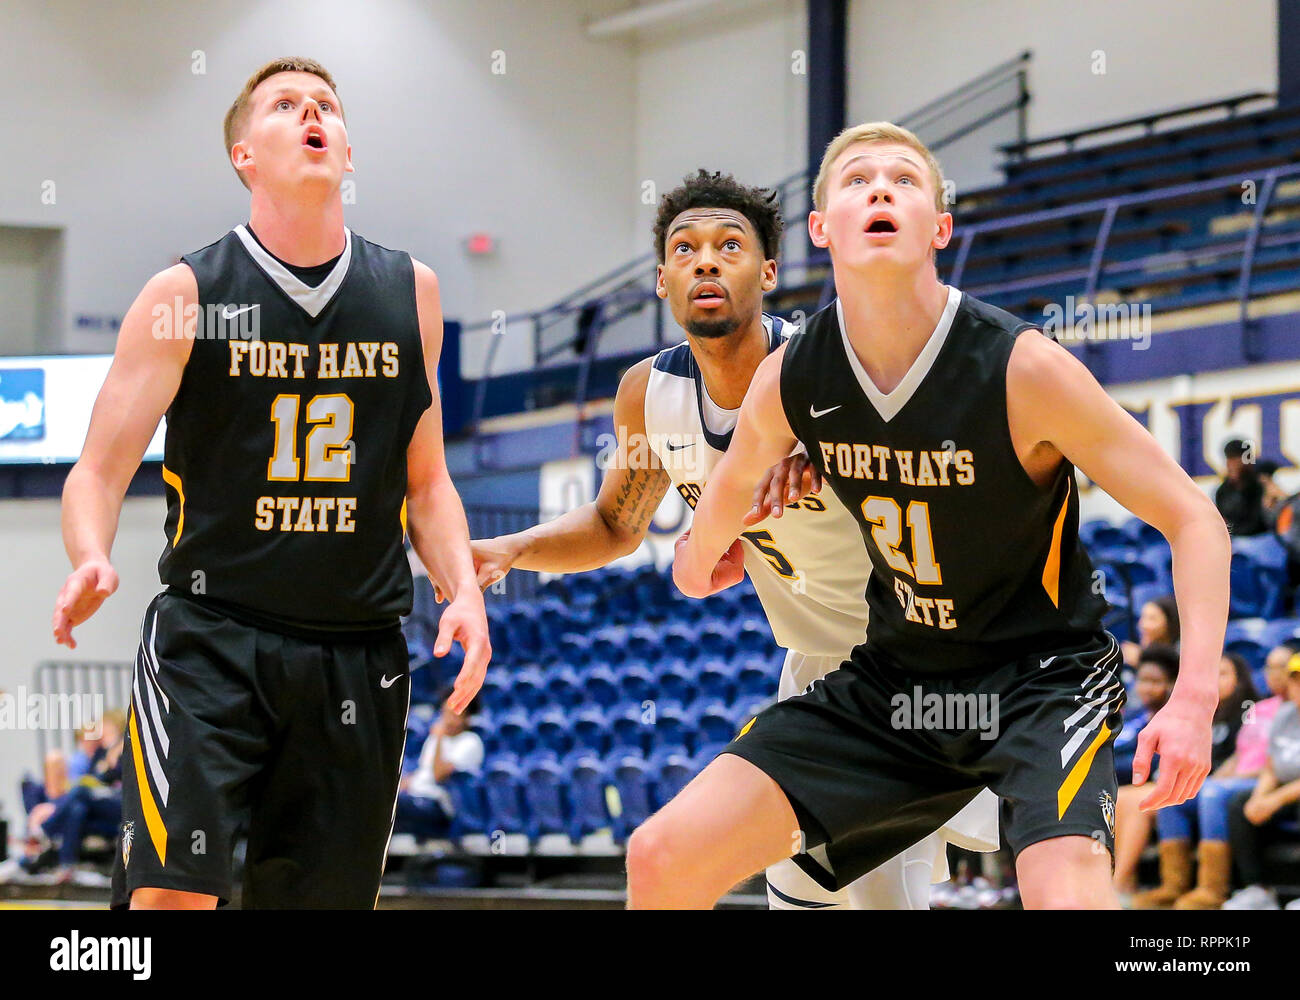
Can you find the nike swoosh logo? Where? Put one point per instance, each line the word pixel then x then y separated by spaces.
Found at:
pixel 1043 663
pixel 815 413
pixel 679 447
pixel 227 314
pixel 387 682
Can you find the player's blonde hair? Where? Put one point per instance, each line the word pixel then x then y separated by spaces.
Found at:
pixel 876 132
pixel 237 117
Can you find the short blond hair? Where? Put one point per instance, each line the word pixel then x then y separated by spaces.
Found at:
pixel 876 132
pixel 232 127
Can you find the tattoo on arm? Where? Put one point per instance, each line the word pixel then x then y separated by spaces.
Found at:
pixel 637 499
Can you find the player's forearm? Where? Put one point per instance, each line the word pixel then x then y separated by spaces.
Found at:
pixel 719 520
pixel 577 541
pixel 1202 553
pixel 435 521
pixel 90 511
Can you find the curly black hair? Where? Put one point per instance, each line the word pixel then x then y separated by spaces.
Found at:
pixel 761 206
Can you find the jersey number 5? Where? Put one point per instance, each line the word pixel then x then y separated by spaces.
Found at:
pixel 329 442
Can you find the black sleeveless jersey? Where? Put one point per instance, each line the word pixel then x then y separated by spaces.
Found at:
pixel 285 455
pixel 974 565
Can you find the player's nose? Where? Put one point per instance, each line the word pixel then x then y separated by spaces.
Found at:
pixel 705 262
pixel 310 110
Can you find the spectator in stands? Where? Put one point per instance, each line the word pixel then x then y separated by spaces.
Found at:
pixel 1206 813
pixel 1240 497
pixel 94 801
pixel 1157 670
pixel 1157 625
pixel 62 770
pixel 1255 815
pixel 424 808
pixel 1274 495
pixel 1286 523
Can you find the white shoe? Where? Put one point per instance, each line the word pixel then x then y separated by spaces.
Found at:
pixel 1253 897
pixel 90 879
pixel 1293 905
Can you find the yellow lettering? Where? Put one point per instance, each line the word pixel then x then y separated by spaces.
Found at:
pixel 828 456
pixel 924 473
pixel 265 513
pixel 288 505
pixel 299 352
pixel 862 461
pixel 346 506
pixel 944 608
pixel 390 359
pixel 304 516
pixel 965 463
pixel 844 460
pixel 329 361
pixel 369 349
pixel 351 363
pixel 323 507
pixel 941 459
pixel 238 348
pixel 275 363
pixel 882 456
pixel 257 357
pixel 925 603
pixel 904 467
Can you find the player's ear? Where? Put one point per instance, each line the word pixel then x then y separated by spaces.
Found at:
pixel 241 156
pixel 660 288
pixel 817 229
pixel 943 231
pixel 348 168
pixel 769 275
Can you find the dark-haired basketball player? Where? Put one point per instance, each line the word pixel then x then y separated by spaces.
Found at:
pixel 718 242
pixel 950 430
pixel 296 364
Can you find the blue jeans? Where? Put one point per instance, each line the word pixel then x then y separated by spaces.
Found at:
pixel 420 816
pixel 1206 811
pixel 77 812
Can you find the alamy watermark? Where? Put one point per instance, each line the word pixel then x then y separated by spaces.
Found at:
pixel 1086 321
pixel 34 710
pixel 919 710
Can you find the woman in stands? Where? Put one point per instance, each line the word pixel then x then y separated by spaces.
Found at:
pixel 1207 813
pixel 1273 802
pixel 1157 625
pixel 1157 669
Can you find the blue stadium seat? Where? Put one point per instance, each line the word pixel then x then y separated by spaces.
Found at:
pixel 754 676
pixel 545 791
pixel 715 639
pixel 714 678
pixel 714 721
pixel 643 641
pixel 588 779
pixel 1256 588
pixel 589 728
pixel 672 726
pixel 528 688
pixel 562 685
pixel 1145 593
pixel 631 776
pixel 746 708
pixel 551 725
pixel 1279 631
pixel 636 681
pixel 495 692
pixel 469 805
pixel 575 649
pixel 1250 650
pixel 601 685
pixel 1141 533
pixel 629 726
pixel 678 640
pixel 670 771
pixel 753 636
pixel 1160 558
pixel 1099 533
pixel 514 730
pixel 1265 550
pixel 503 791
pixel 675 679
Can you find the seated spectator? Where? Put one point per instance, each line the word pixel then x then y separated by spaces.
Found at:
pixel 424 807
pixel 1256 814
pixel 1240 496
pixel 1157 625
pixel 94 801
pixel 1157 670
pixel 1205 813
pixel 1286 523
pixel 61 771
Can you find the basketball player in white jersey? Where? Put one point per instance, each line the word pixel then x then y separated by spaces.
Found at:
pixel 674 413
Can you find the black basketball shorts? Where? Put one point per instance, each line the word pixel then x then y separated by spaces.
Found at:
pixel 873 759
pixel 239 730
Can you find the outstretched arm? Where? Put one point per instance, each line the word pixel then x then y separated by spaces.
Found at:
pixel 435 519
pixel 762 438
pixel 596 533
pixel 144 376
pixel 1053 398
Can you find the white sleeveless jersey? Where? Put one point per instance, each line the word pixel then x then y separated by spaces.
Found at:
pixel 810 566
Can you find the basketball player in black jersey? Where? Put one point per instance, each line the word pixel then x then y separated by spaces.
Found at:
pixel 297 366
pixel 952 430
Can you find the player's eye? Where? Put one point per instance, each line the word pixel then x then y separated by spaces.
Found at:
pixel 907 177
pixel 855 178
pixel 680 247
pixel 325 105
pixel 284 104
pixel 732 244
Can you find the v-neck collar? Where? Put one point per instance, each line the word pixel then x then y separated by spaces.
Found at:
pixel 310 300
pixel 888 404
pixel 721 442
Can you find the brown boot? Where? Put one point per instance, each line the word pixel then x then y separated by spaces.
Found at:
pixel 1175 877
pixel 1214 876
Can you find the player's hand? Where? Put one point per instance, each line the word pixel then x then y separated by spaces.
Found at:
pixel 789 480
pixel 465 621
pixel 1259 809
pixel 86 588
pixel 493 559
pixel 729 571
pixel 1180 734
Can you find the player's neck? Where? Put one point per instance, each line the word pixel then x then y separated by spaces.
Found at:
pixel 302 233
pixel 728 363
pixel 887 324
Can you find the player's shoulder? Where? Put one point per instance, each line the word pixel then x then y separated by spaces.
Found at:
pixel 978 313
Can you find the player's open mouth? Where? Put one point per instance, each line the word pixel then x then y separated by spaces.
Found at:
pixel 880 224
pixel 315 138
pixel 708 295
